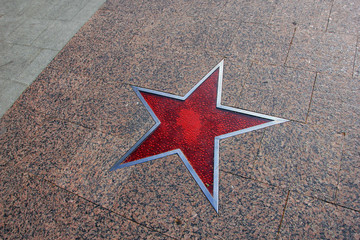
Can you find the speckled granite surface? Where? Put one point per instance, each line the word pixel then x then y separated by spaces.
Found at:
pixel 297 180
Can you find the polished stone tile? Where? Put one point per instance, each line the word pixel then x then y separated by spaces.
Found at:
pixel 257 42
pixel 173 31
pixel 348 188
pixel 88 175
pixel 259 11
pixel 248 210
pixel 349 184
pixel 322 52
pixel 301 157
pixel 37 209
pixel 221 37
pixel 170 70
pixel 306 14
pixel 52 148
pixel 169 55
pixel 198 9
pixel 274 90
pixel 236 71
pixel 238 154
pixel 344 17
pixel 18 129
pixel 335 102
pixel 263 43
pixel 161 194
pixel 309 218
pixel 143 9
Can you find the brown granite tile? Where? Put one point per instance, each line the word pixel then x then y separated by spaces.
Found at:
pixel 107 225
pixel 121 111
pixel 199 9
pixel 306 14
pixel 344 17
pixel 335 103
pixel 41 210
pixel 17 129
pixel 258 11
pixel 104 104
pixel 57 97
pixel 236 71
pixel 161 194
pixel 52 148
pixel 349 185
pixel 322 52
pixel 250 41
pixel 221 37
pixel 308 218
pixel 248 210
pixel 143 9
pixel 301 157
pixel 169 54
pixel 88 174
pixel 238 154
pixel 171 69
pixel 274 90
pixel 178 31
pixel 265 44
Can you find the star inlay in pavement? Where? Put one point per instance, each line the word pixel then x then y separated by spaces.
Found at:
pixel 192 126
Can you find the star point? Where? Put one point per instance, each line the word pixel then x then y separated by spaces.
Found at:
pixel 192 126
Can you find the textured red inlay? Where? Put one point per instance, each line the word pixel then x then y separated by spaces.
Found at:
pixel 191 126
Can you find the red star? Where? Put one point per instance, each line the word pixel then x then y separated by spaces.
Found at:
pixel 192 126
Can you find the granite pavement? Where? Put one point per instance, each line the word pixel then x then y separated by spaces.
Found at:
pixel 76 114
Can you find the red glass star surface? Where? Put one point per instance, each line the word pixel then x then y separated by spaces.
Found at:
pixel 191 126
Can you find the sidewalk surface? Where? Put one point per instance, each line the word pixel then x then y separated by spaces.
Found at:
pixel 70 67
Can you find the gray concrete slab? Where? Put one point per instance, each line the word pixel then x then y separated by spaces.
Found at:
pixel 57 34
pixel 28 31
pixel 36 66
pixel 15 58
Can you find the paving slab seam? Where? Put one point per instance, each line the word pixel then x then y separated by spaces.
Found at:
pixel 311 98
pixel 255 180
pixel 290 189
pixel 273 12
pixel 328 20
pixel 283 215
pixel 299 69
pixel 95 204
pixel 10 80
pixel 291 41
pixel 338 176
pixel 356 54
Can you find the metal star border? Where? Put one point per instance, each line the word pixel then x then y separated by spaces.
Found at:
pixel 213 199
